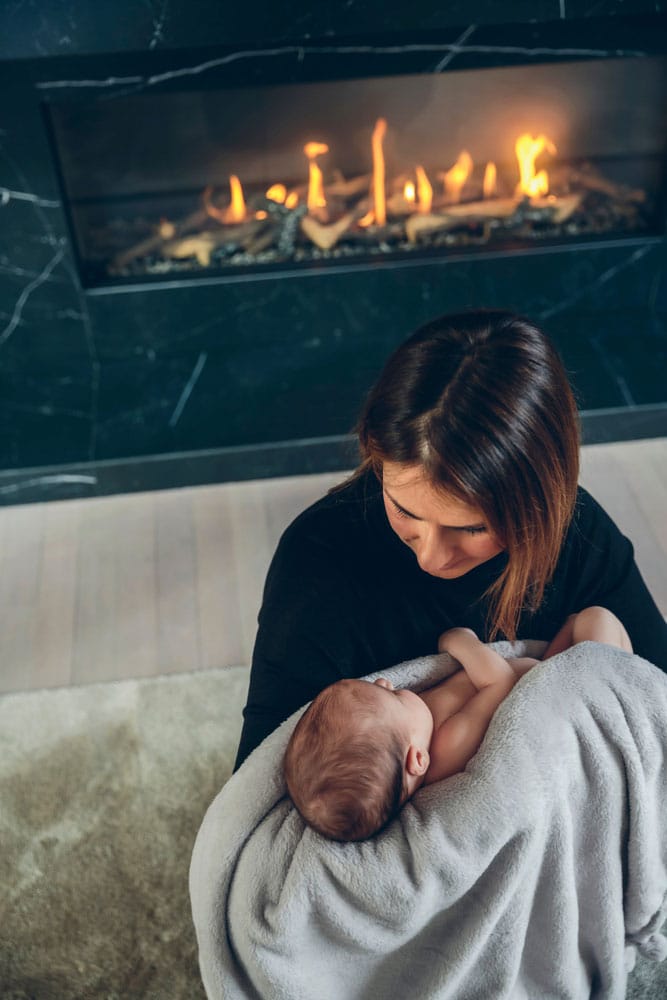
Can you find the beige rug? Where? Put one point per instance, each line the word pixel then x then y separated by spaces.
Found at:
pixel 102 790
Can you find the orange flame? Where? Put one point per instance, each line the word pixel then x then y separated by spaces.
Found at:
pixel 457 175
pixel 236 210
pixel 292 199
pixel 489 183
pixel 425 191
pixel 278 193
pixel 409 192
pixel 527 150
pixel 316 197
pixel 379 199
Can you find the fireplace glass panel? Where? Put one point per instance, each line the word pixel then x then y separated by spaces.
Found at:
pixel 225 181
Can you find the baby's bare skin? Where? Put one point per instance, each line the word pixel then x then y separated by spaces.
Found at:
pixel 462 705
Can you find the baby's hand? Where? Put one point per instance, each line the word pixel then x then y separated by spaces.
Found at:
pixel 443 641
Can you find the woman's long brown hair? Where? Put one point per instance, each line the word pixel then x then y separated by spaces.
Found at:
pixel 481 400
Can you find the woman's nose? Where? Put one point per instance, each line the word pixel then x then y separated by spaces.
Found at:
pixel 434 551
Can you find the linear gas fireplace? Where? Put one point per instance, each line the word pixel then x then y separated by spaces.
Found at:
pixel 218 222
pixel 230 180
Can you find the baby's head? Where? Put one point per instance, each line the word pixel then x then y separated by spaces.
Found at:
pixel 357 753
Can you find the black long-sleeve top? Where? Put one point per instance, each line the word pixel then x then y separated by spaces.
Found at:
pixel 344 596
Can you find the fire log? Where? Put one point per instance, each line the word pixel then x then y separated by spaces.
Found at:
pixel 203 244
pixel 326 237
pixel 558 209
pixel 456 215
pixel 348 189
pixel 158 239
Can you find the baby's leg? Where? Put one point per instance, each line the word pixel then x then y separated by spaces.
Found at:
pixel 521 664
pixel 594 623
pixel 600 625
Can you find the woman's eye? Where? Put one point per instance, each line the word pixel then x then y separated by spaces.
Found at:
pixel 475 531
pixel 399 512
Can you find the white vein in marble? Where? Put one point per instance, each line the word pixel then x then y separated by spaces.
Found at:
pixel 614 375
pixel 158 25
pixel 185 395
pixel 7 195
pixel 110 81
pixel 27 292
pixel 455 49
pixel 601 279
pixel 51 480
pixel 300 51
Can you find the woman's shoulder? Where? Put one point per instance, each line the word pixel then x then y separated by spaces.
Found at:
pixel 593 538
pixel 328 548
pixel 348 511
pixel 590 517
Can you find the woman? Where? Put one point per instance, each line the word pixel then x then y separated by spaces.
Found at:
pixel 464 511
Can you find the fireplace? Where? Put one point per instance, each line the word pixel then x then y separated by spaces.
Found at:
pixel 240 180
pixel 215 229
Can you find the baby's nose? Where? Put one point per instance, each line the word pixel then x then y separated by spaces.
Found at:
pixel 384 683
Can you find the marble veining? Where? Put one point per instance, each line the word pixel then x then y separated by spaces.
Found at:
pixel 57 479
pixel 602 353
pixel 185 395
pixel 449 50
pixel 601 279
pixel 6 195
pixel 455 49
pixel 27 292
pixel 159 24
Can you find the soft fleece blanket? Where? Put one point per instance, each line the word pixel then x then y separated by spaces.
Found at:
pixel 539 872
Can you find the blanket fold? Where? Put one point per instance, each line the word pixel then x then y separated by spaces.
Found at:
pixel 540 871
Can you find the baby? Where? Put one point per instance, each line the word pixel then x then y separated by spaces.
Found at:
pixel 361 749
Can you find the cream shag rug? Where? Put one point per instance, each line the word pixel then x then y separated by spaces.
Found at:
pixel 102 791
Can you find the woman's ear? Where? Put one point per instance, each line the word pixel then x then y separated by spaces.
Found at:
pixel 417 760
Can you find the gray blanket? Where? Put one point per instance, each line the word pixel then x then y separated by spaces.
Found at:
pixel 539 872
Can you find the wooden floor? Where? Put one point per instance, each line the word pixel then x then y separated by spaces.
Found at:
pixel 154 583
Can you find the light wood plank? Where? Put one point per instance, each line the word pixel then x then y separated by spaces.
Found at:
pixel 136 586
pixel 19 584
pixel 221 643
pixel 57 593
pixel 178 623
pixel 94 655
pixel 252 549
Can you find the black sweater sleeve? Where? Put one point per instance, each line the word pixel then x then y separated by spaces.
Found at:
pixel 602 570
pixel 308 635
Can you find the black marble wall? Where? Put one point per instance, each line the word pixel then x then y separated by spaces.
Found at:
pixel 188 382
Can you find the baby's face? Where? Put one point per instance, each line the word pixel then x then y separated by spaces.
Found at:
pixel 402 711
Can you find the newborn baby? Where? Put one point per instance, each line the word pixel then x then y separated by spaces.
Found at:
pixel 362 749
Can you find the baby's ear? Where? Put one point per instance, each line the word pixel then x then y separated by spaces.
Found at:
pixel 417 760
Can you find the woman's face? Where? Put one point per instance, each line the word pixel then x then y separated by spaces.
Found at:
pixel 448 538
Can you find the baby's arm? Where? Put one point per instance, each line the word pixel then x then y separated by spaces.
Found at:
pixel 457 739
